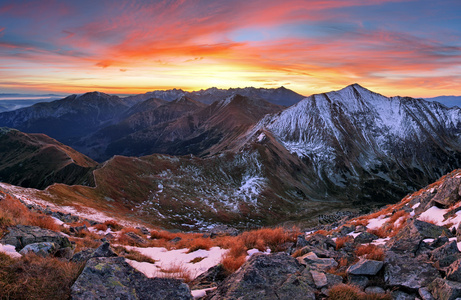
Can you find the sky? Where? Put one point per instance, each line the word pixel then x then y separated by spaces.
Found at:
pixel 394 47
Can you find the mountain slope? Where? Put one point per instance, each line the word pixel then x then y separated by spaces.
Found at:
pixel 368 146
pixel 204 131
pixel 36 160
pixel 68 118
pixel 448 101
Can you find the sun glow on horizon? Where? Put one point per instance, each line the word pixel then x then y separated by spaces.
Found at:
pixel 307 46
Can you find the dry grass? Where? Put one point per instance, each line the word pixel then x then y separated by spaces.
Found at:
pixel 197 260
pixel 13 212
pixel 261 239
pixel 352 292
pixel 35 277
pixel 200 243
pixel 112 224
pixel 341 241
pixel 370 251
pixel 84 243
pixel 233 263
pixel 177 270
pixel 102 227
pixel 132 254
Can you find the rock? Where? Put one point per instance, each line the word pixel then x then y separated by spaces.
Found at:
pixel 345 230
pixel 409 237
pixel 310 259
pixel 83 255
pixel 454 271
pixel 448 193
pixel 211 278
pixel 22 235
pixel 113 278
pixel 144 230
pixel 295 286
pixel 358 280
pixel 301 241
pixel 446 254
pixel 425 294
pixel 322 253
pixel 365 237
pixel 365 267
pixel 321 241
pixel 104 250
pixel 443 289
pixel 333 279
pixel 439 242
pixel 135 238
pixel 66 253
pixel 407 272
pixel 175 240
pixel 259 278
pixel 399 295
pixel 320 279
pixel 375 290
pixel 42 249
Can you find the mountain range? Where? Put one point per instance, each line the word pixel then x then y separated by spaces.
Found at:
pixel 247 161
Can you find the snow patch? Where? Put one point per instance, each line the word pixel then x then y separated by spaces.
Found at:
pixel 9 250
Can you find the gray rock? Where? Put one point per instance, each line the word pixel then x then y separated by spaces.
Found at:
pixel 211 278
pixel 358 280
pixel 321 241
pixel 375 290
pixel 42 249
pixel 409 237
pixel 104 250
pixel 320 279
pixel 454 271
pixel 23 235
pixel 259 278
pixel 448 193
pixel 399 295
pixel 310 259
pixel 135 238
pixel 294 287
pixel 425 294
pixel 446 254
pixel 113 278
pixel 407 272
pixel 365 267
pixel 66 253
pixel 443 289
pixel 365 237
pixel 333 279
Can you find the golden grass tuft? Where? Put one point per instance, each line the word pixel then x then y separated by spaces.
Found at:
pixel 370 251
pixel 177 270
pixel 352 292
pixel 112 224
pixel 341 241
pixel 35 277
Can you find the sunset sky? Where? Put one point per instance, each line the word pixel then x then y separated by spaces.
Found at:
pixel 394 47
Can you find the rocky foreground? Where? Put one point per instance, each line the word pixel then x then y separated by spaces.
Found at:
pixel 405 251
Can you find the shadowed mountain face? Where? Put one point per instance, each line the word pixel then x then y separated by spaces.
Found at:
pixel 36 160
pixel 68 118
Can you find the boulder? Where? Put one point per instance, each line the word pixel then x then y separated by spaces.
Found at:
pixel 407 272
pixel 42 249
pixel 321 242
pixel 22 235
pixel 425 294
pixel 320 279
pixel 365 237
pixel 446 254
pixel 443 289
pixel 358 280
pixel 135 238
pixel 448 192
pixel 399 295
pixel 104 250
pixel 261 277
pixel 454 271
pixel 314 262
pixel 375 290
pixel 209 279
pixel 293 287
pixel 409 237
pixel 365 267
pixel 114 278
